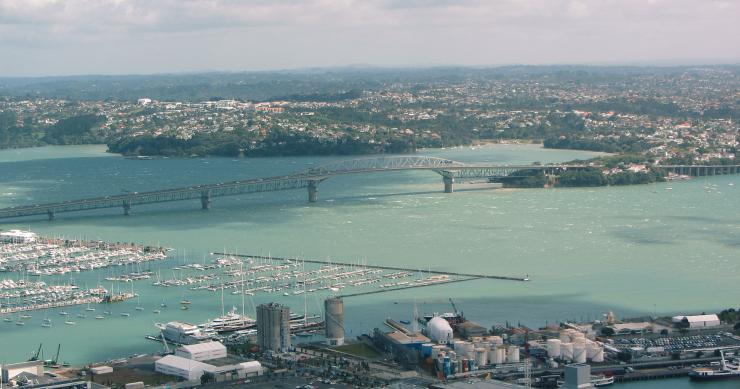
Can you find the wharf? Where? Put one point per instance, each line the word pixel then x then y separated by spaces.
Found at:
pixel 408 287
pixel 53 304
pixel 495 277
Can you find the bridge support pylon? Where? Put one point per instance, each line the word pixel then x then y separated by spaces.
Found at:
pixel 449 182
pixel 126 207
pixel 313 191
pixel 205 200
pixel 51 215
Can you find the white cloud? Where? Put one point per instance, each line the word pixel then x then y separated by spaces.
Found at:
pixel 176 35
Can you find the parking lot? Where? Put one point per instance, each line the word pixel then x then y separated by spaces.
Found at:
pixel 678 343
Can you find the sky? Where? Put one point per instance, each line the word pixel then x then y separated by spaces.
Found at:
pixel 65 37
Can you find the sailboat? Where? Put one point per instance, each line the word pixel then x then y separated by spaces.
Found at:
pixel 89 308
pixel 46 323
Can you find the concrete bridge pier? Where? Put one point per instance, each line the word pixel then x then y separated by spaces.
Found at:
pixel 126 207
pixel 205 200
pixel 51 215
pixel 449 182
pixel 313 191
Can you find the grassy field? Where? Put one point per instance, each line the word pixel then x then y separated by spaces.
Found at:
pixel 359 350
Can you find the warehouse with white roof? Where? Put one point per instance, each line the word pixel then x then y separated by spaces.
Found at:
pixel 202 351
pixel 698 321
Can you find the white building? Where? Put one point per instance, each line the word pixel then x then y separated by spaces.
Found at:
pixel 181 367
pixel 699 321
pixel 192 370
pixel 11 370
pixel 202 351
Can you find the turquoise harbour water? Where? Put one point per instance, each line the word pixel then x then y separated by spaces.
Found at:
pixel 664 248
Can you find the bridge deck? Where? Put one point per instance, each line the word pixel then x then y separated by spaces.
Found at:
pixel 310 178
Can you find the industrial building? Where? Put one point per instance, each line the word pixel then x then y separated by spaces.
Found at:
pixel 273 327
pixel 202 351
pixel 30 375
pixel 698 321
pixel 11 370
pixel 334 319
pixel 216 371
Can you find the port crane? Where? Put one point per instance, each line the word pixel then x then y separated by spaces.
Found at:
pixel 35 356
pixel 454 308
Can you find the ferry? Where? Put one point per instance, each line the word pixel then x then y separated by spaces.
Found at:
pixel 596 380
pixel 727 370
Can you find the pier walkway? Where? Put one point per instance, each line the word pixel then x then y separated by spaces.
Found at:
pixel 398 268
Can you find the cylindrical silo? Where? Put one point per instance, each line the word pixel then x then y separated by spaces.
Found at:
pixel 598 355
pixel 481 356
pixel 566 351
pixel 426 349
pixel 512 354
pixel 459 345
pixel 564 336
pixel 495 340
pixel 334 318
pixel 553 348
pixel 579 353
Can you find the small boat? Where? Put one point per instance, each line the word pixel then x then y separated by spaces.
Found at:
pixel 185 302
pixel 107 313
pixel 405 322
pixel 7 319
pixel 81 315
pixel 184 307
pixel 70 322
pixel 63 313
pixel 163 305
pixel 25 316
pixel 139 308
pixel 125 314
pixel 20 323
pixel 89 308
pixel 99 317
pixel 156 311
pixel 46 325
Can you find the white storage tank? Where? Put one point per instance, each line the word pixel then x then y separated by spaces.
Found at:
pixel 481 356
pixel 469 350
pixel 495 340
pixel 566 351
pixel 439 330
pixel 579 353
pixel 459 345
pixel 598 355
pixel 512 354
pixel 499 355
pixel 553 348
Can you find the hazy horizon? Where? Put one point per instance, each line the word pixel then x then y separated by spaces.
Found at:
pixel 137 37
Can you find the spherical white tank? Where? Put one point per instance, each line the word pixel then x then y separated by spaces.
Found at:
pixel 553 348
pixel 439 330
pixel 512 354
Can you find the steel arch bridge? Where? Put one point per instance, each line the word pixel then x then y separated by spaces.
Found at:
pixel 310 178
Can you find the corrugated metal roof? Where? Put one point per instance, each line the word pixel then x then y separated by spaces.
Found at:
pixel 203 347
pixel 182 363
